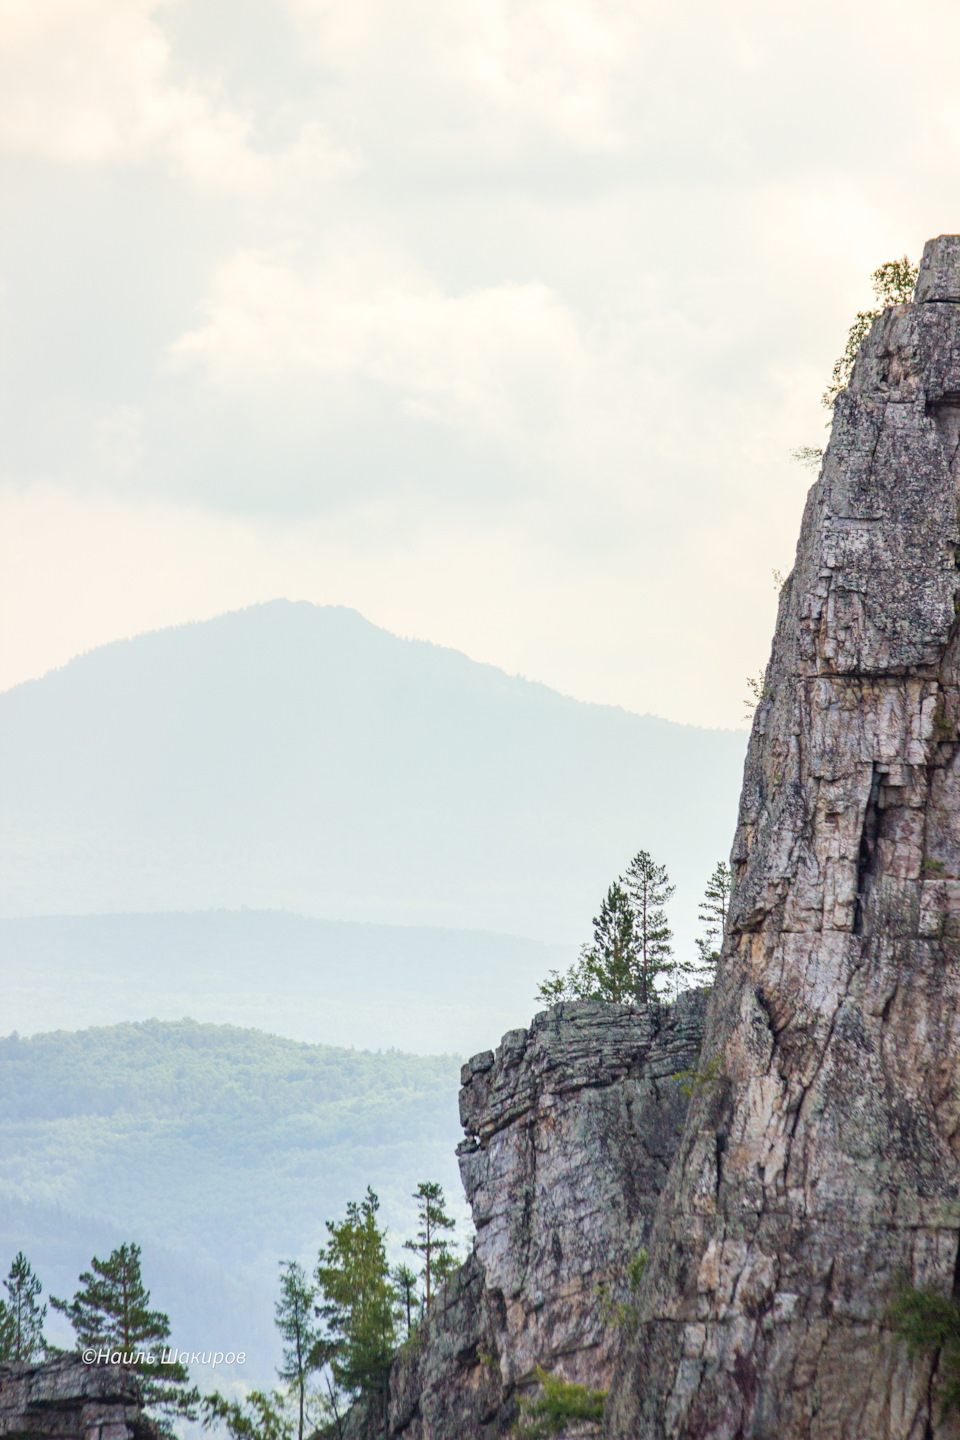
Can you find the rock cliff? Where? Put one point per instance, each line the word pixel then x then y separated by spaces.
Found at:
pixel 822 1161
pixel 570 1130
pixel 63 1399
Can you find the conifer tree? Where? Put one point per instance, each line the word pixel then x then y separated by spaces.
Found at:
pixel 649 888
pixel 111 1311
pixel 607 969
pixel 6 1335
pixel 21 1321
pixel 295 1320
pixel 357 1301
pixel 406 1282
pixel 431 1243
pixel 713 917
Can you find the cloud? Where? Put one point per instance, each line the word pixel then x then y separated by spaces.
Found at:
pixel 541 293
pixel 471 359
pixel 90 83
pixel 549 65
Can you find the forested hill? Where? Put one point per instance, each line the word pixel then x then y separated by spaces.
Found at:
pixel 296 757
pixel 219 1150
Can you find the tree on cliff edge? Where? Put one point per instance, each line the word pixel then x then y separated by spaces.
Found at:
pixel 431 1242
pixel 111 1311
pixel 631 947
pixel 712 913
pixel 649 888
pixel 21 1316
pixel 893 284
pixel 356 1299
pixel 294 1316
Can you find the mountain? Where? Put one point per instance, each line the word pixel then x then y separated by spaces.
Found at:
pixel 296 757
pixel 219 1150
pixel 337 982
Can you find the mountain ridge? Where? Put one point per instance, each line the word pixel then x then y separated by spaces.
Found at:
pixel 297 757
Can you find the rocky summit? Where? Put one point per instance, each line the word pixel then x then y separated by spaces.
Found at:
pixel 820 1166
pixel 570 1127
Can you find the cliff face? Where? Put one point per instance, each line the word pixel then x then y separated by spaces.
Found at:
pixel 63 1399
pixel 571 1127
pixel 823 1159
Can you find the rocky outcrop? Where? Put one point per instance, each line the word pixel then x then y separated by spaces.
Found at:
pixel 570 1130
pixel 821 1164
pixel 63 1399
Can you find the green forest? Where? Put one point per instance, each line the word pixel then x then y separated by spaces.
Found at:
pixel 218 1150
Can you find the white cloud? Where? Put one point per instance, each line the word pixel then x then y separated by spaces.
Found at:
pixel 468 359
pixel 90 83
pixel 529 377
pixel 546 64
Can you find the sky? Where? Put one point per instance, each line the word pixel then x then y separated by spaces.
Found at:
pixel 496 320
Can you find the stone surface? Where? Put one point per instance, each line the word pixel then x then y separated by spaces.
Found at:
pixel 63 1399
pixel 822 1161
pixel 571 1127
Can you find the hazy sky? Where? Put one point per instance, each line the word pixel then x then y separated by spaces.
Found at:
pixel 494 319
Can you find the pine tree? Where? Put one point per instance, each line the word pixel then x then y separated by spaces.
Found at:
pixel 609 966
pixel 649 888
pixel 713 917
pixel 21 1322
pixel 111 1311
pixel 406 1282
pixel 295 1320
pixel 357 1301
pixel 430 1243
pixel 7 1332
pixel 607 969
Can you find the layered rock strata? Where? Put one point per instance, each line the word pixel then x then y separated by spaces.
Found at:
pixel 820 1166
pixel 63 1399
pixel 571 1127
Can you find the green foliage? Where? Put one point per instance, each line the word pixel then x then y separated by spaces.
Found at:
pixel 693 1080
pixel 809 455
pixel 405 1282
pixel 111 1309
pixel 7 1333
pixel 631 947
pixel 893 284
pixel 21 1315
pixel 649 888
pixel 757 685
pixel 930 1324
pixel 430 1244
pixel 259 1416
pixel 287 1130
pixel 618 1300
pixel 712 913
pixel 357 1300
pixel 559 1404
pixel 294 1314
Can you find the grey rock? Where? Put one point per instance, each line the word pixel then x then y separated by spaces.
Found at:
pixel 821 1164
pixel 570 1130
pixel 63 1399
